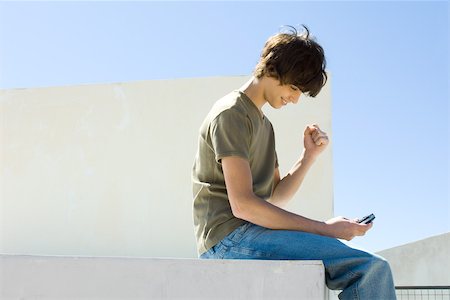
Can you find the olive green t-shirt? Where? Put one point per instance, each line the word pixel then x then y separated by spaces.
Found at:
pixel 233 127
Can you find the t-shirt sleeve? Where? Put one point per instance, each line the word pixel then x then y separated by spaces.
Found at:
pixel 276 160
pixel 230 134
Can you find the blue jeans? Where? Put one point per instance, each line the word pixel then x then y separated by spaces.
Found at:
pixel 360 275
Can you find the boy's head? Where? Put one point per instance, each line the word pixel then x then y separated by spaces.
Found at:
pixel 294 58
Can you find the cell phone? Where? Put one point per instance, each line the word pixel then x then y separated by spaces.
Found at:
pixel 367 219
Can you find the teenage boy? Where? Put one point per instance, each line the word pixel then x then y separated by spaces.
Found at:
pixel 238 191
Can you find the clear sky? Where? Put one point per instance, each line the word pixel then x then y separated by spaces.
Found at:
pixel 389 63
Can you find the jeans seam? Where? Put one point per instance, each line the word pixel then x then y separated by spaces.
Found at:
pixel 355 293
pixel 250 252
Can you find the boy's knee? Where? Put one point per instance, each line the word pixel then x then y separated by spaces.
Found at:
pixel 380 265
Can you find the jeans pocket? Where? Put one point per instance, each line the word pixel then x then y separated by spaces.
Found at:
pixel 220 249
pixel 216 252
pixel 236 236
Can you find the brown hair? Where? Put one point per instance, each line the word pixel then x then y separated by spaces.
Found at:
pixel 294 58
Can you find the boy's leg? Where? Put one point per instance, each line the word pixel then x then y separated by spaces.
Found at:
pixel 359 274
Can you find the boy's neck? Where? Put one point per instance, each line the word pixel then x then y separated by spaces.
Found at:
pixel 254 89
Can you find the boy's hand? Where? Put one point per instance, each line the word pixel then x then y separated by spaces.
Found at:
pixel 315 140
pixel 343 228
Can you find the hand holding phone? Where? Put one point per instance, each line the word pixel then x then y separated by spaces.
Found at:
pixel 367 219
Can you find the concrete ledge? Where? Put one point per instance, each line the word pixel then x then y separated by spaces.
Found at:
pixel 55 277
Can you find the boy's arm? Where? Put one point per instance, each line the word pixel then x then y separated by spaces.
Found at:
pixel 247 206
pixel 315 141
pixel 286 188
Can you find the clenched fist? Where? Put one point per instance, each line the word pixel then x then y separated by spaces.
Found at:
pixel 315 140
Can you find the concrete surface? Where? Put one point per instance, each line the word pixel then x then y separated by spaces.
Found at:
pixel 51 277
pixel 421 263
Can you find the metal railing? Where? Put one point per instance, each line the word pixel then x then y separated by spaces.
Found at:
pixel 423 292
pixel 414 293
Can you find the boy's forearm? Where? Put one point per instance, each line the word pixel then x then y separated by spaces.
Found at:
pixel 262 213
pixel 289 185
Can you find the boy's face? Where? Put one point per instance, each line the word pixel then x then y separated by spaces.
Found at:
pixel 278 95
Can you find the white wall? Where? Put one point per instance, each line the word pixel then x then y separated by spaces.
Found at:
pixel 422 263
pixel 104 170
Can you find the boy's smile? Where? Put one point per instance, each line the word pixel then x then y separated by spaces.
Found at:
pixel 278 95
pixel 270 90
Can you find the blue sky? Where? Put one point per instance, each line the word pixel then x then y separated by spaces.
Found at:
pixel 390 81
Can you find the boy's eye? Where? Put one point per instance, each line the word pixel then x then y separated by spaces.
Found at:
pixel 294 87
